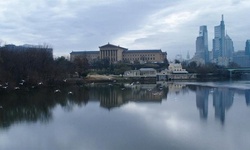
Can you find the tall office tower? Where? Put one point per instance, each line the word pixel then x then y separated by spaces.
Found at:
pixel 219 40
pixel 229 48
pixel 247 48
pixel 222 45
pixel 188 56
pixel 202 45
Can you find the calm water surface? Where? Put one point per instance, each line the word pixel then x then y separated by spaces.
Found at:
pixel 190 116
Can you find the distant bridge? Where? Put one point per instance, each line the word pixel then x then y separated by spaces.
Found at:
pixel 239 70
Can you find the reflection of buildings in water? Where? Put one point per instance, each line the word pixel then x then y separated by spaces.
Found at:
pixel 202 101
pixel 108 95
pixel 247 96
pixel 222 101
pixel 115 96
pixel 147 93
pixel 175 87
pixel 139 87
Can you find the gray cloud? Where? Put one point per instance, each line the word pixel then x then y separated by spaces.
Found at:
pixel 84 25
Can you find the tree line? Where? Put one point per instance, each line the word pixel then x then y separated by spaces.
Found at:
pixel 203 71
pixel 31 65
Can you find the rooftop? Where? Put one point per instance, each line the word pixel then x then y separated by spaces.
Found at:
pixel 144 51
pixel 112 46
pixel 147 69
pixel 84 52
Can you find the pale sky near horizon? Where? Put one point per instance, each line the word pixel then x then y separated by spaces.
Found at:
pixel 170 25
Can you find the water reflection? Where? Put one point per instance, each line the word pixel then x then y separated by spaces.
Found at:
pixel 247 96
pixel 37 105
pixel 202 101
pixel 117 95
pixel 222 101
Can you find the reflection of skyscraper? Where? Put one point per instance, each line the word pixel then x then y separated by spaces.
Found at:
pixel 202 45
pixel 247 96
pixel 222 100
pixel 202 101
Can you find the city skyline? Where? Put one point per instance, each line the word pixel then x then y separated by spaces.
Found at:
pixel 85 25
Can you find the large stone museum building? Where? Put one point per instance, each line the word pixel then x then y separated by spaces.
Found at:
pixel 116 53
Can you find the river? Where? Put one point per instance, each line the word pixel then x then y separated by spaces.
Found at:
pixel 178 115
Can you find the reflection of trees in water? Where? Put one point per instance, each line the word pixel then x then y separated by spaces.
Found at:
pixel 37 105
pixel 192 87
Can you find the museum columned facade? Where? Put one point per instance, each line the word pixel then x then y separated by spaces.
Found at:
pixel 116 53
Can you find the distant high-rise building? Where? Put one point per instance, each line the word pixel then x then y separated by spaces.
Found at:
pixel 222 44
pixel 202 45
pixel 247 48
pixel 219 40
pixel 188 55
pixel 241 59
pixel 229 48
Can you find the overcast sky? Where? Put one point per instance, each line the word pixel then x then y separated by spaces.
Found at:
pixel 170 25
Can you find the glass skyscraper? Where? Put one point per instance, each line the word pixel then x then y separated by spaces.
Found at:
pixel 247 48
pixel 219 39
pixel 222 44
pixel 202 44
